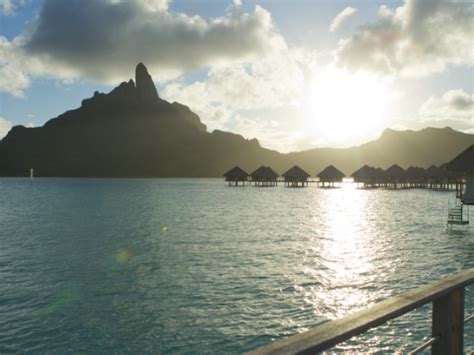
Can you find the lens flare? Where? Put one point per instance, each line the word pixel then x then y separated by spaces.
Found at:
pixel 122 256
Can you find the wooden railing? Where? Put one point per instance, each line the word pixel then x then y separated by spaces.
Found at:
pixel 447 296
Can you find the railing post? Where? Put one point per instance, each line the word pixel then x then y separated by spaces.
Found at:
pixel 448 323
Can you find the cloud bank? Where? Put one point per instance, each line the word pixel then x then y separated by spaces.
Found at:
pixel 413 40
pixel 252 97
pixel 342 17
pixel 104 40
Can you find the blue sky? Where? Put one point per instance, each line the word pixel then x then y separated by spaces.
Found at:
pixel 293 74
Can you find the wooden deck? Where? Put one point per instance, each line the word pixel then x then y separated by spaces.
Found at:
pixel 447 296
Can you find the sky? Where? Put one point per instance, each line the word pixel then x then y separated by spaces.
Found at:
pixel 293 74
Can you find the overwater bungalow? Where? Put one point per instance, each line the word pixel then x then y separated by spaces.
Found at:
pixel 433 172
pixel 264 176
pixel 415 177
pixel 296 177
pixel 379 177
pixel 435 177
pixel 451 177
pixel 395 177
pixel 463 167
pixel 463 164
pixel 330 176
pixel 235 176
pixel 366 175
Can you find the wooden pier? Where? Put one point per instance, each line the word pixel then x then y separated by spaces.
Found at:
pixel 429 185
pixel 447 327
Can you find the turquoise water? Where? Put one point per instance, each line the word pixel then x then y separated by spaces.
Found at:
pixel 193 266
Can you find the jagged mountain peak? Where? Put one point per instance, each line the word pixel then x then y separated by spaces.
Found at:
pixel 146 90
pixel 131 100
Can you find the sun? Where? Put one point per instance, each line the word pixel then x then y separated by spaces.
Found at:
pixel 346 108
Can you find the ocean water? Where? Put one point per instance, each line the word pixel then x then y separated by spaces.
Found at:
pixel 194 266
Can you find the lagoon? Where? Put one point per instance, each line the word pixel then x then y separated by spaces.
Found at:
pixel 192 265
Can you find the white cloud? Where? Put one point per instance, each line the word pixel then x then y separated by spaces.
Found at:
pixel 259 83
pixel 399 127
pixel 10 7
pixel 5 126
pixel 454 105
pixel 271 133
pixel 153 5
pixel 415 39
pixel 232 96
pixel 272 126
pixel 342 17
pixel 13 80
pixel 196 95
pixel 6 7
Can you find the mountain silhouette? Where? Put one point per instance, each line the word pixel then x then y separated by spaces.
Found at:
pixel 132 132
pixel 429 146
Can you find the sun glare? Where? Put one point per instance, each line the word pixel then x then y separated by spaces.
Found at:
pixel 346 108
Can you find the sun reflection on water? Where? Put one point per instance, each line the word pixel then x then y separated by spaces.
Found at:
pixel 345 268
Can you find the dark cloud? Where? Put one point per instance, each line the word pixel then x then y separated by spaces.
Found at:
pixel 104 39
pixel 462 102
pixel 453 105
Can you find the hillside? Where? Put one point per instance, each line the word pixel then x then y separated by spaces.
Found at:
pixel 430 146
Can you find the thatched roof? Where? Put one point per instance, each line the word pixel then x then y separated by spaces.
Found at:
pixel 463 163
pixel 264 172
pixel 364 172
pixel 414 172
pixel 260 172
pixel 395 171
pixel 331 172
pixel 272 173
pixel 379 172
pixel 434 171
pixel 236 172
pixel 296 172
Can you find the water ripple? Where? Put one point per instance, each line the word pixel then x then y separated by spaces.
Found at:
pixel 179 266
